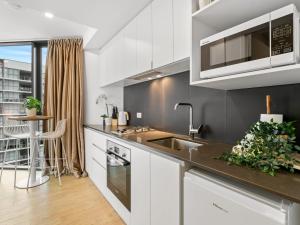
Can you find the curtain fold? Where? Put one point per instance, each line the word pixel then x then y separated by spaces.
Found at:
pixel 63 98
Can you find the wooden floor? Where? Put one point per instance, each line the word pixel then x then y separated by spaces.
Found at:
pixel 76 202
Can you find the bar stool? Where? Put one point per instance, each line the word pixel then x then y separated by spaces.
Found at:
pixel 54 137
pixel 18 131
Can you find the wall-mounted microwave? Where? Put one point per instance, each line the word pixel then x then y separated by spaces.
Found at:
pixel 267 41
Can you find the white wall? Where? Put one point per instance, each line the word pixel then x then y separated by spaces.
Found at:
pixel 92 90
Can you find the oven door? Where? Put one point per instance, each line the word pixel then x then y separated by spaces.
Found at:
pixel 240 49
pixel 118 178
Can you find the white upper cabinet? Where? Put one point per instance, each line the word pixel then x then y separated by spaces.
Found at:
pixel 129 58
pixel 144 40
pixel 182 28
pixel 156 37
pixel 111 66
pixel 162 24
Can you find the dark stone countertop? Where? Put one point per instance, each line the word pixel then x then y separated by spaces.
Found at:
pixel 284 184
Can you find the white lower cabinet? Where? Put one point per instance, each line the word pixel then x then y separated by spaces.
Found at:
pixel 95 145
pixel 156 183
pixel 140 187
pixel 156 189
pixel 165 191
pixel 98 175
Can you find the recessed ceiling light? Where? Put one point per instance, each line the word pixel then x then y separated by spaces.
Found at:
pixel 49 15
pixel 149 78
pixel 158 76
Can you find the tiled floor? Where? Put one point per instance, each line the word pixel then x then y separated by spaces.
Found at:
pixel 76 202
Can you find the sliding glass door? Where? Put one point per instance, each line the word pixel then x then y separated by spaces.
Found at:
pixel 21 74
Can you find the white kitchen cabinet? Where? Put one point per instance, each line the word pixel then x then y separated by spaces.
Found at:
pixel 144 40
pixel 158 36
pixel 129 49
pixel 162 25
pixel 95 145
pixel 103 68
pixel 165 191
pixel 98 175
pixel 112 61
pixel 88 152
pixel 140 187
pixel 182 28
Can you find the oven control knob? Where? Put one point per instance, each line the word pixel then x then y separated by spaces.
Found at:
pixel 117 150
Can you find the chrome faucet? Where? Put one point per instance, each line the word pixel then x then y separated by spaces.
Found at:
pixel 192 130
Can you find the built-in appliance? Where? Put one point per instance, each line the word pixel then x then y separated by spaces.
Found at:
pixel 214 201
pixel 267 41
pixel 118 172
pixel 123 117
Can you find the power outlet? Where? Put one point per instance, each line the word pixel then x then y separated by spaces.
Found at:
pixel 139 115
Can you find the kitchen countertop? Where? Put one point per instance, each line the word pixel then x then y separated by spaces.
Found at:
pixel 284 184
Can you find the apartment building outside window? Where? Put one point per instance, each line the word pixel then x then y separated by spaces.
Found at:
pixel 22 69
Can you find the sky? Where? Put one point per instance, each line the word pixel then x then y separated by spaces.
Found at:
pixel 20 53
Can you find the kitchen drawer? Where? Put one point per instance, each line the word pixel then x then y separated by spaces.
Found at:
pixel 99 154
pixel 96 138
pixel 95 146
pixel 98 175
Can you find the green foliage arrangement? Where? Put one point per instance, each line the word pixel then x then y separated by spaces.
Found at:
pixel 266 146
pixel 104 116
pixel 32 103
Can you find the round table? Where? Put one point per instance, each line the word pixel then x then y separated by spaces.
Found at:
pixel 34 179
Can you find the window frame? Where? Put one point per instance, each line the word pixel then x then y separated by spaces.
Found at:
pixel 36 63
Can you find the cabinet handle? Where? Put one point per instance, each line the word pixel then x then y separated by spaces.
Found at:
pixel 109 156
pixel 116 160
pixel 96 161
pixel 96 146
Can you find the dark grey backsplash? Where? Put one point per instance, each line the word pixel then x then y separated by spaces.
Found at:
pixel 227 114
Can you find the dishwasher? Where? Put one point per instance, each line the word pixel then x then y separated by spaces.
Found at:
pixel 213 201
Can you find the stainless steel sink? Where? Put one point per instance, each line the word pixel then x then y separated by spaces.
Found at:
pixel 176 143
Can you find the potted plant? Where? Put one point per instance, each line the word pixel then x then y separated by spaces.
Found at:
pixel 32 106
pixel 267 146
pixel 104 117
pixel 107 118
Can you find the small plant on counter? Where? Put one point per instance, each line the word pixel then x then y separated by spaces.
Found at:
pixel 266 146
pixel 104 116
pixel 32 105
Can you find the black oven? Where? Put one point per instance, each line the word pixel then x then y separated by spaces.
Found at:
pixel 118 172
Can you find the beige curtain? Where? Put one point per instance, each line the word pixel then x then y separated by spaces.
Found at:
pixel 64 97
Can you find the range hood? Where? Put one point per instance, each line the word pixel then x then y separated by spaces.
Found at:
pixel 170 69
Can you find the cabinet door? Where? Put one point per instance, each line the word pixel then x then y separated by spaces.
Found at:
pixel 162 24
pixel 98 175
pixel 88 151
pixel 111 61
pixel 129 58
pixel 182 28
pixel 102 68
pixel 165 191
pixel 144 40
pixel 140 187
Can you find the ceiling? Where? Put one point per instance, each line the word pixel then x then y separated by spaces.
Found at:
pixel 96 20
